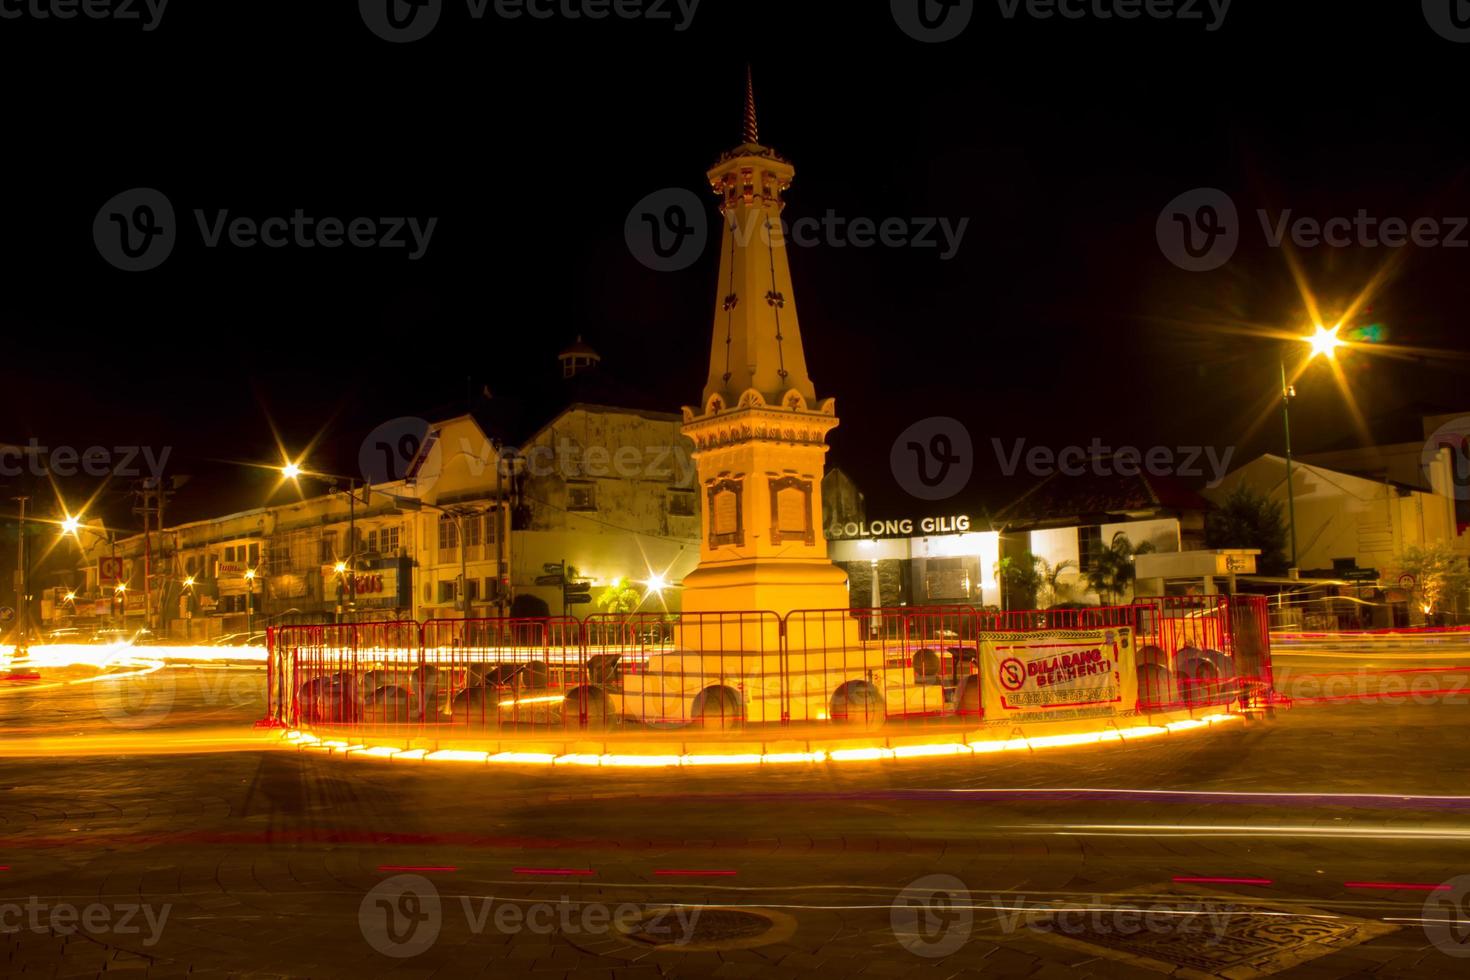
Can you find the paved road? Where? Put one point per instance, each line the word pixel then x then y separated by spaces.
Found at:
pixel 211 859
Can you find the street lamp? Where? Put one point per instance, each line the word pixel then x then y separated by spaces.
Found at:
pixel 293 471
pixel 249 600
pixel 72 526
pixel 1323 342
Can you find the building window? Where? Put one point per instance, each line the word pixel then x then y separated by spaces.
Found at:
pixel 327 554
pixel 1089 547
pixel 948 578
pixel 581 496
pixel 681 503
pixel 447 592
pixel 383 540
pixel 448 538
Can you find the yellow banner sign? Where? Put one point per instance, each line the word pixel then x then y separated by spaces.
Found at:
pixel 1058 675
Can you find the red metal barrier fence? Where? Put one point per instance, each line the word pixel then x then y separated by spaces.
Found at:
pixel 647 671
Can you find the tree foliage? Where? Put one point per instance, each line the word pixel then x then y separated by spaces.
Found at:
pixel 1250 520
pixel 1441 577
pixel 619 598
pixel 1112 573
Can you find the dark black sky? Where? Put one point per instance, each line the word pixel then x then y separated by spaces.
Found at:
pixel 1059 319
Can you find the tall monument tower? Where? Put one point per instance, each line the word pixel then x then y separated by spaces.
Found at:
pixel 760 433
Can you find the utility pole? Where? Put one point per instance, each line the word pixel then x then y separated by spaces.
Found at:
pixel 1288 392
pixel 22 589
pixel 502 573
pixel 151 499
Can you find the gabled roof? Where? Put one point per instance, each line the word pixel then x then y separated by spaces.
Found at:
pixel 1092 498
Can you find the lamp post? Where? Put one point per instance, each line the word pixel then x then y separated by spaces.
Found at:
pixel 22 588
pixel 1288 392
pixel 293 472
pixel 1324 342
pixel 73 526
pixel 249 600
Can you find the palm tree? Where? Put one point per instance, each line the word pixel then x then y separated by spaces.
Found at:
pixel 1112 573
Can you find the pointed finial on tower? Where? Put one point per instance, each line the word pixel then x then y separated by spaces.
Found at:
pixel 752 129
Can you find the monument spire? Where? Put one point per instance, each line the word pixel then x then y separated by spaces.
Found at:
pixel 756 341
pixel 752 127
pixel 759 434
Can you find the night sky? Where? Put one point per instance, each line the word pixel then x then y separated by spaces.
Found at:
pixel 1059 319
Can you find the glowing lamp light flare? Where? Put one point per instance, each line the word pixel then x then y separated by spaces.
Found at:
pixel 291 470
pixel 1325 342
pixel 71 525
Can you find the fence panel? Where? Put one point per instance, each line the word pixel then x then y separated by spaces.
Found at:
pixel 611 673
